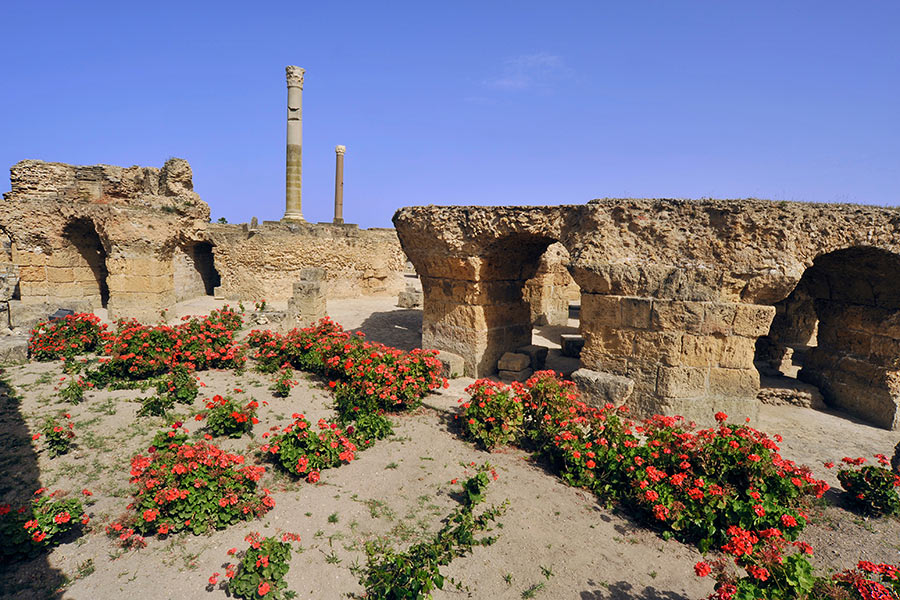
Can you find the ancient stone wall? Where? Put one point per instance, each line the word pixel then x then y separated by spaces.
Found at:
pixel 99 235
pixel 674 293
pixel 265 262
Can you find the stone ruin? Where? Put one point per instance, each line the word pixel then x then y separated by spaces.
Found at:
pixel 677 295
pixel 137 240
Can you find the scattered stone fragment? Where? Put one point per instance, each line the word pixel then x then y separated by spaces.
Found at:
pixel 537 354
pixel 454 364
pixel 13 350
pixel 512 361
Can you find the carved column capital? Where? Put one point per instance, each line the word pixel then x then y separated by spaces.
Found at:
pixel 340 149
pixel 294 76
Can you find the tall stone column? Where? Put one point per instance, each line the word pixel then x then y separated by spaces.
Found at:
pixel 339 184
pixel 294 170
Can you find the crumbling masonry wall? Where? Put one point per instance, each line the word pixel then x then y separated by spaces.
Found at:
pixel 136 240
pixel 674 293
pixel 85 237
pixel 266 261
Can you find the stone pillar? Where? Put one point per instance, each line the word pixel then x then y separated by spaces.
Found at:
pixel 294 166
pixel 339 185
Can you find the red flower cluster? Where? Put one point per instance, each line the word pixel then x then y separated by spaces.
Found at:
pixel 209 486
pixel 300 450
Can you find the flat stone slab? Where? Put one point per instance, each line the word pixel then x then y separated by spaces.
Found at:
pixel 537 355
pixel 510 376
pixel 571 344
pixel 512 361
pixel 599 387
pixel 13 350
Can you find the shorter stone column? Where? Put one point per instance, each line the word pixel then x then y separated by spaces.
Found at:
pixel 308 304
pixel 339 185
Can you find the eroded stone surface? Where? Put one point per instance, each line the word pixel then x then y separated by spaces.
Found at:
pixel 674 293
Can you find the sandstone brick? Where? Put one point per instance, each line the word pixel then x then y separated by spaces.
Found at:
pixel 510 376
pixel 60 275
pixel 612 341
pixel 536 354
pixel 600 310
pixel 663 347
pixel 701 350
pixel 733 382
pixel 737 353
pixel 636 312
pixel 718 318
pixel 597 387
pixel 29 274
pixel 752 320
pixel 453 365
pixel 677 315
pixel 681 382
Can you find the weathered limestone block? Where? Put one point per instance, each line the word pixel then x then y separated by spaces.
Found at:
pixel 13 350
pixel 453 364
pixel 681 382
pixel 598 388
pixel 24 316
pixel 511 361
pixel 411 297
pixel 537 355
pixel 308 304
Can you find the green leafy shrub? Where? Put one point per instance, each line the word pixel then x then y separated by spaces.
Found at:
pixel 871 488
pixel 197 487
pixel 226 416
pixel 73 391
pixel 67 337
pixel 58 433
pixel 301 451
pixel 40 524
pixel 413 574
pixel 179 385
pixel 494 414
pixel 261 570
pixel 691 483
pixel 284 382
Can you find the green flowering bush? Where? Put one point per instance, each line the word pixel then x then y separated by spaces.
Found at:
pixel 39 524
pixel 873 489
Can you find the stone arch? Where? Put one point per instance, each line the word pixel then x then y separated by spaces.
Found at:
pixel 855 293
pixel 78 269
pixel 194 270
pixel 474 304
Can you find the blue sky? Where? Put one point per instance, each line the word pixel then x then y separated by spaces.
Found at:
pixel 465 102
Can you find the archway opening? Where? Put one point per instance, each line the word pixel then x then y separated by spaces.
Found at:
pixel 88 260
pixel 555 302
pixel 194 271
pixel 839 330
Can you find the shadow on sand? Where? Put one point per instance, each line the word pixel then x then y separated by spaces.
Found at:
pixel 401 328
pixel 19 478
pixel 622 590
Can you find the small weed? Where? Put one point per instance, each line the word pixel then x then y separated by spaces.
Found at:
pixel 333 518
pixel 532 591
pixel 391 465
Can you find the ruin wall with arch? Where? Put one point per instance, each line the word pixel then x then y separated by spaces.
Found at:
pixel 137 240
pixel 676 295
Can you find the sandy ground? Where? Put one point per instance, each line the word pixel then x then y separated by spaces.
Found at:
pixel 556 541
